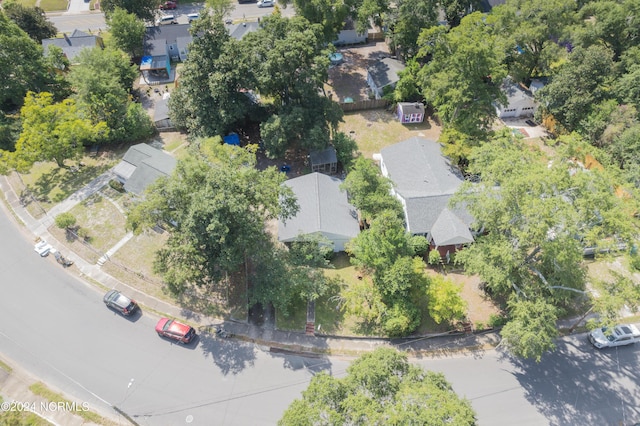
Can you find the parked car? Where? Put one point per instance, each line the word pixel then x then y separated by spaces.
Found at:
pixel 266 3
pixel 42 248
pixel 175 330
pixel 620 335
pixel 166 19
pixel 119 302
pixel 192 17
pixel 169 5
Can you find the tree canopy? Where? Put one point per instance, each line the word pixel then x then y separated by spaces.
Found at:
pixel 31 20
pixel 380 387
pixel 144 9
pixel 127 31
pixel 218 203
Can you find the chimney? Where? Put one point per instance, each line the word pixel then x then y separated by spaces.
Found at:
pixel 66 38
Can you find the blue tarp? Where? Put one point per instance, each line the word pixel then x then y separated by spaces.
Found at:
pixel 232 139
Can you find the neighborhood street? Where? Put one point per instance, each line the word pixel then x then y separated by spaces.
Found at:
pixel 57 328
pixel 94 21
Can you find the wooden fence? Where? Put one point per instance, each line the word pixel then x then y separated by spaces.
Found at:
pixel 364 104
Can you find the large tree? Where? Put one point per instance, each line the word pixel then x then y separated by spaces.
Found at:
pixel 211 97
pixel 102 82
pixel 538 217
pixel 146 10
pixel 531 32
pixel 32 20
pixel 462 79
pixel 405 23
pixel 579 85
pixel 51 132
pixel 381 387
pixel 22 66
pixel 127 31
pixel 218 203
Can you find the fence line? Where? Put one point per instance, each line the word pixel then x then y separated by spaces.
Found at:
pixel 364 105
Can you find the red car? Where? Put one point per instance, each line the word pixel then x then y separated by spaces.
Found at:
pixel 169 5
pixel 175 330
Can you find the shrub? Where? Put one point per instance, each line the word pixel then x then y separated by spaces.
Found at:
pixel 497 321
pixel 419 244
pixel 402 319
pixel 634 262
pixel 479 325
pixel 83 233
pixel 434 257
pixel 117 185
pixel 65 220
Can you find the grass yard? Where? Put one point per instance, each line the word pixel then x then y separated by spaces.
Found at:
pixel 376 129
pixel 103 221
pixel 53 5
pixel 28 3
pixel 49 184
pixel 137 256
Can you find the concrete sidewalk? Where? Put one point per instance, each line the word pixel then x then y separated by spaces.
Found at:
pixel 275 340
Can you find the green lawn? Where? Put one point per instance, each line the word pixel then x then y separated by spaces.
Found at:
pixel 53 5
pixel 49 184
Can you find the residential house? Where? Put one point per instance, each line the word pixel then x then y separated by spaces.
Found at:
pixel 141 166
pixel 73 44
pixel 410 112
pixel 325 161
pixel 324 210
pixel 349 35
pixel 520 100
pixel 166 43
pixel 383 73
pixel 424 181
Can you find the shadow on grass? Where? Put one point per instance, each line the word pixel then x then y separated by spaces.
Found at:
pixel 59 183
pixel 341 260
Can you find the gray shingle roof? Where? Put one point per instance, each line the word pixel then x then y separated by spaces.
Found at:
pixel 426 180
pixel 411 107
pixel 326 156
pixel 150 164
pixel 73 44
pixel 385 72
pixel 323 208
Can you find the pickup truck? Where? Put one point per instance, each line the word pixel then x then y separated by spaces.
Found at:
pixel 620 335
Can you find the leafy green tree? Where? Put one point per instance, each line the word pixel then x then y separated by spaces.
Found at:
pixel 52 132
pixel 127 31
pixel 376 249
pixel 329 14
pixel 455 10
pixel 346 148
pixel 625 152
pixel 369 191
pixel 211 96
pixel 445 302
pixel 65 220
pixel 538 217
pixel 31 20
pixel 102 82
pixel 462 79
pixel 145 10
pixel 363 300
pixel 531 32
pixel 22 67
pixel 579 84
pixel 219 203
pixel 381 387
pixel 531 328
pixel 613 296
pixel 405 23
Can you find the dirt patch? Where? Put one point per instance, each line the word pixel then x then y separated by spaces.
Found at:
pixel 349 78
pixel 480 307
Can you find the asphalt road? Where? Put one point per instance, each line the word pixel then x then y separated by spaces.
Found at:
pixel 57 327
pixel 67 22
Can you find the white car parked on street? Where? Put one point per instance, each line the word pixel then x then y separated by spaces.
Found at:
pixel 620 335
pixel 43 248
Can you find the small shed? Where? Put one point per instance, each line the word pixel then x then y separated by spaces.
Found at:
pixel 325 161
pixel 410 112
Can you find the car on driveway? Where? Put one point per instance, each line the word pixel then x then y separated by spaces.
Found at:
pixel 175 330
pixel 169 5
pixel 620 335
pixel 266 3
pixel 119 302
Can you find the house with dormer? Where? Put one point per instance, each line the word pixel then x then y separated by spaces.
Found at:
pixel 424 181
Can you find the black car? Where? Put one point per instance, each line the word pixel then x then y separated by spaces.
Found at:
pixel 119 302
